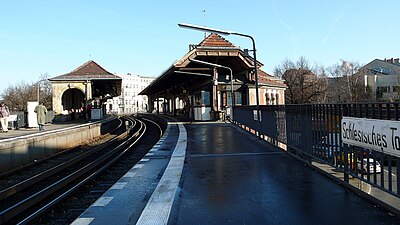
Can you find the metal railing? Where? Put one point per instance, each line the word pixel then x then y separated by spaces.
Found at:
pixel 312 132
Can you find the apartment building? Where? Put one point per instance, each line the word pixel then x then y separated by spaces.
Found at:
pixel 130 101
pixel 383 78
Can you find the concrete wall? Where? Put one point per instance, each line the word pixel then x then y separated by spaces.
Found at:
pixel 16 153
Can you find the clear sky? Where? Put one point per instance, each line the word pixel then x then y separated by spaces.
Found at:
pixel 142 37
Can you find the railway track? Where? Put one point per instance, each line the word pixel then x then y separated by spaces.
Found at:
pixel 18 179
pixel 25 200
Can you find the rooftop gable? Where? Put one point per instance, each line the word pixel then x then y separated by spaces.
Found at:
pixel 88 70
pixel 215 40
pixel 383 67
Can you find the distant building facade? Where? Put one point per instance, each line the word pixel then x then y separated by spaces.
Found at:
pixel 383 78
pixel 130 101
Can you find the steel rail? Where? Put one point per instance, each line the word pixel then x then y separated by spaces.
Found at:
pixel 139 134
pixel 7 192
pixel 159 127
pixel 11 212
pixel 13 171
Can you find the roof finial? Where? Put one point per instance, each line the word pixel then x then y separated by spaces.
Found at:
pixel 205 17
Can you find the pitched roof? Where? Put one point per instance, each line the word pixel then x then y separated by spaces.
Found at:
pixel 265 78
pixel 385 67
pixel 215 40
pixel 88 70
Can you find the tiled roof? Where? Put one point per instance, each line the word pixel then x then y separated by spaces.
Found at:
pixel 215 40
pixel 262 73
pixel 265 78
pixel 89 70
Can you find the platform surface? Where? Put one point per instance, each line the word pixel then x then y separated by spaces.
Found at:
pixel 22 132
pixel 231 177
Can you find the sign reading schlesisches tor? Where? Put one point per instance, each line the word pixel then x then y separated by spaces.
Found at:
pixel 378 135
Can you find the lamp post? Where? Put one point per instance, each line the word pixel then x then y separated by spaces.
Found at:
pixel 224 67
pixel 38 90
pixel 227 32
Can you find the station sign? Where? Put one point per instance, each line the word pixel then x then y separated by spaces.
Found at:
pixel 377 135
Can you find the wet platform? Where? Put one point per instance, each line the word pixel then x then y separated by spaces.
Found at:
pixel 217 173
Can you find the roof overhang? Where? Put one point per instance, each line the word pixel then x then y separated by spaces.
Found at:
pixel 185 74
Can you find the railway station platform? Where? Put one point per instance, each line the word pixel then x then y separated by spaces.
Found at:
pixel 217 173
pixel 25 132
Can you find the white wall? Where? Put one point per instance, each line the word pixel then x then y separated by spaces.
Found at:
pixel 129 101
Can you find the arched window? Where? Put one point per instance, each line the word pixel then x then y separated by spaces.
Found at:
pixel 269 99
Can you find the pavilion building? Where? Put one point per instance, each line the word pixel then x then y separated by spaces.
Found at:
pixel 89 83
pixel 203 92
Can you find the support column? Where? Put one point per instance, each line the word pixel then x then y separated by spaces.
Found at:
pixel 174 104
pixel 158 105
pixel 164 105
pixel 150 103
pixel 214 90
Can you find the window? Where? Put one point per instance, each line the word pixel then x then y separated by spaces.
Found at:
pixel 272 99
pixel 202 98
pixel 277 99
pixel 229 98
pixel 238 98
pixel 383 89
pixel 226 98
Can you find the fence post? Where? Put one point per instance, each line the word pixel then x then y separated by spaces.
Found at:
pixel 346 148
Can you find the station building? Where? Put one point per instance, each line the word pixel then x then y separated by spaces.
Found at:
pixel 202 92
pixel 89 83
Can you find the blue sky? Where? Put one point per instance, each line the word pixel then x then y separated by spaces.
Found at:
pixel 142 37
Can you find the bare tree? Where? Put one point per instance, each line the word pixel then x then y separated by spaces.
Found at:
pixel 45 90
pixel 346 84
pixel 304 84
pixel 16 96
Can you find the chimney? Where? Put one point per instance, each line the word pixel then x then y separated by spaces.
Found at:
pixel 389 60
pixel 396 61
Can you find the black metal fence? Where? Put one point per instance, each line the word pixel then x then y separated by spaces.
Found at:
pixel 313 132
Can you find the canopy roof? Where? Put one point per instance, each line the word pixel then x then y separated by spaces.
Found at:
pixel 188 75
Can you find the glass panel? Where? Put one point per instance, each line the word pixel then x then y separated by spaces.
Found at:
pixel 238 98
pixel 205 97
pixel 202 99
pixel 229 94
